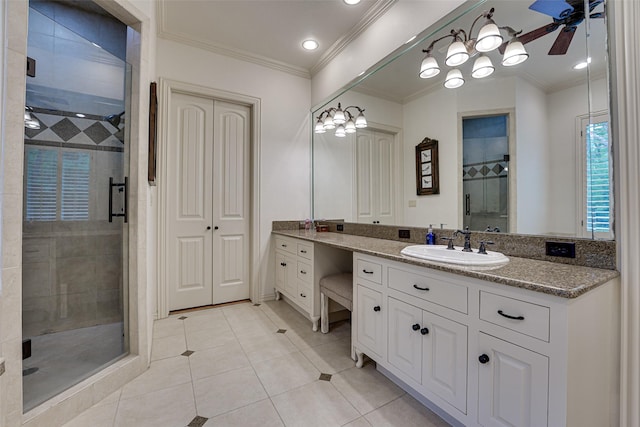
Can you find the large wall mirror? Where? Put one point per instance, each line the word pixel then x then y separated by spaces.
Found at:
pixel 523 150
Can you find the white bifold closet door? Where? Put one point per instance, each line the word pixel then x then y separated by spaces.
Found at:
pixel 208 178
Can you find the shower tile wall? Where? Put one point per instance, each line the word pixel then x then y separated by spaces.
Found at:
pixel 71 279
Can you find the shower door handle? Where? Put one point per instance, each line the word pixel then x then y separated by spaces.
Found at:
pixel 467 204
pixel 122 187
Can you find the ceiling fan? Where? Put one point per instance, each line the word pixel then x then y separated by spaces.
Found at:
pixel 566 14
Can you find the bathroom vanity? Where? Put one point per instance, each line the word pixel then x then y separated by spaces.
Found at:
pixel 532 343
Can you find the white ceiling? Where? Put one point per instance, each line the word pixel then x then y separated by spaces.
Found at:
pixel 269 32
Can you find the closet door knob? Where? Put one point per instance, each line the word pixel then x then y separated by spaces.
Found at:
pixel 376 308
pixel 483 358
pixel 208 227
pixel 415 327
pixel 424 331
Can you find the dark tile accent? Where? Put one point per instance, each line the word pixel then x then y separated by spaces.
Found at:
pixel 198 421
pixel 65 129
pixel 281 331
pixel 256 305
pixel 187 353
pixel 325 377
pixel 97 132
pixel 182 317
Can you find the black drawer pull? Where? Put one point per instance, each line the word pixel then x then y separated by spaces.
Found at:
pixel 483 359
pixel 420 289
pixel 303 295
pixel 303 251
pixel 376 308
pixel 283 245
pixel 510 317
pixel 283 264
pixel 416 327
pixel 367 272
pixel 424 331
pixel 303 272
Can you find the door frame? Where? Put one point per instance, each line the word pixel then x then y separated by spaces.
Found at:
pixel 167 88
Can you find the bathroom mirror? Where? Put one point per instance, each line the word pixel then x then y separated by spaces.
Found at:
pixel 524 150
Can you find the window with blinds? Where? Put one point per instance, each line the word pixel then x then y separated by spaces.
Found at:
pixel 56 185
pixel 597 183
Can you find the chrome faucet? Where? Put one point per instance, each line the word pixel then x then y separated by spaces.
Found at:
pixel 467 239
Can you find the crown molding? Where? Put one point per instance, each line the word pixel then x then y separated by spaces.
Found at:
pixel 371 16
pixel 374 12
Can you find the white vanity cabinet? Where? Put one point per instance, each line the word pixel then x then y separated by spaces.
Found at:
pixel 299 266
pixel 488 354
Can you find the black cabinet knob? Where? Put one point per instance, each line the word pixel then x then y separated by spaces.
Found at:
pixel 376 308
pixel 483 358
pixel 283 264
pixel 208 227
pixel 415 327
pixel 424 331
pixel 215 228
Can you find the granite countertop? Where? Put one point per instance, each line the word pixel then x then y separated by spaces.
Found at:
pixel 562 280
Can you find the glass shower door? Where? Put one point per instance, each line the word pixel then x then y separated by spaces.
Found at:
pixel 485 180
pixel 74 252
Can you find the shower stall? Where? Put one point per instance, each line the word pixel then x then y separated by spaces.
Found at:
pixel 75 230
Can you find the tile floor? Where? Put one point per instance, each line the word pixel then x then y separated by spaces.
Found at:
pixel 245 365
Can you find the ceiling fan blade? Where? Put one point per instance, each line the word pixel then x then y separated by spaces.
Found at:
pixel 532 35
pixel 563 41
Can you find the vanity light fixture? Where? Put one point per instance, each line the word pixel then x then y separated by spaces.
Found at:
pixel 351 2
pixel 342 120
pixel 464 46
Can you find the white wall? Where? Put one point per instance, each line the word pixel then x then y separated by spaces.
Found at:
pixel 403 20
pixel 284 133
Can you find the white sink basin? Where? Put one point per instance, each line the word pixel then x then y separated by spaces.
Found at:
pixel 440 253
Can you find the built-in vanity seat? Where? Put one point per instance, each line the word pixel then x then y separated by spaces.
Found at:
pixel 532 343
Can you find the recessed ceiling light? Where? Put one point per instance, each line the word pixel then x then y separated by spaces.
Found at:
pixel 310 44
pixel 351 2
pixel 583 64
pixel 80 115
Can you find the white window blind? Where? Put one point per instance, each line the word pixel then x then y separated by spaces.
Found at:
pixel 42 184
pixel 598 182
pixel 75 186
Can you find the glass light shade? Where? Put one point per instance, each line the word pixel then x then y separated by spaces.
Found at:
pixel 514 54
pixel 350 127
pixel 319 127
pixel 361 122
pixel 482 67
pixel 489 38
pixel 338 117
pixel 454 79
pixel 456 54
pixel 340 131
pixel 328 123
pixel 429 67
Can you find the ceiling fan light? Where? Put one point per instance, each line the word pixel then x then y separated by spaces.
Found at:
pixel 361 121
pixel 489 37
pixel 328 123
pixel 514 54
pixel 454 79
pixel 482 67
pixel 340 131
pixel 350 126
pixel 429 67
pixel 456 54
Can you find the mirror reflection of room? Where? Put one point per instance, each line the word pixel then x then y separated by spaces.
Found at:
pixel 547 180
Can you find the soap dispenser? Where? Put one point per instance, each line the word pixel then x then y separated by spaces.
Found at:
pixel 431 238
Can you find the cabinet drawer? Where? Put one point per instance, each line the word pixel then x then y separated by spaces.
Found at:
pixel 438 291
pixel 370 271
pixel 286 245
pixel 305 272
pixel 521 316
pixel 304 295
pixel 305 250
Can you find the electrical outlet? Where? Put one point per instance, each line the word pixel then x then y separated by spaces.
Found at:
pixel 412 203
pixel 404 234
pixel 561 249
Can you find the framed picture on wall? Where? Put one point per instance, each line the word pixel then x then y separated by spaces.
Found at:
pixel 427 168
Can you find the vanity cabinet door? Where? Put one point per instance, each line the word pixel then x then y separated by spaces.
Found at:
pixel 286 274
pixel 444 359
pixel 513 385
pixel 405 340
pixel 371 319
